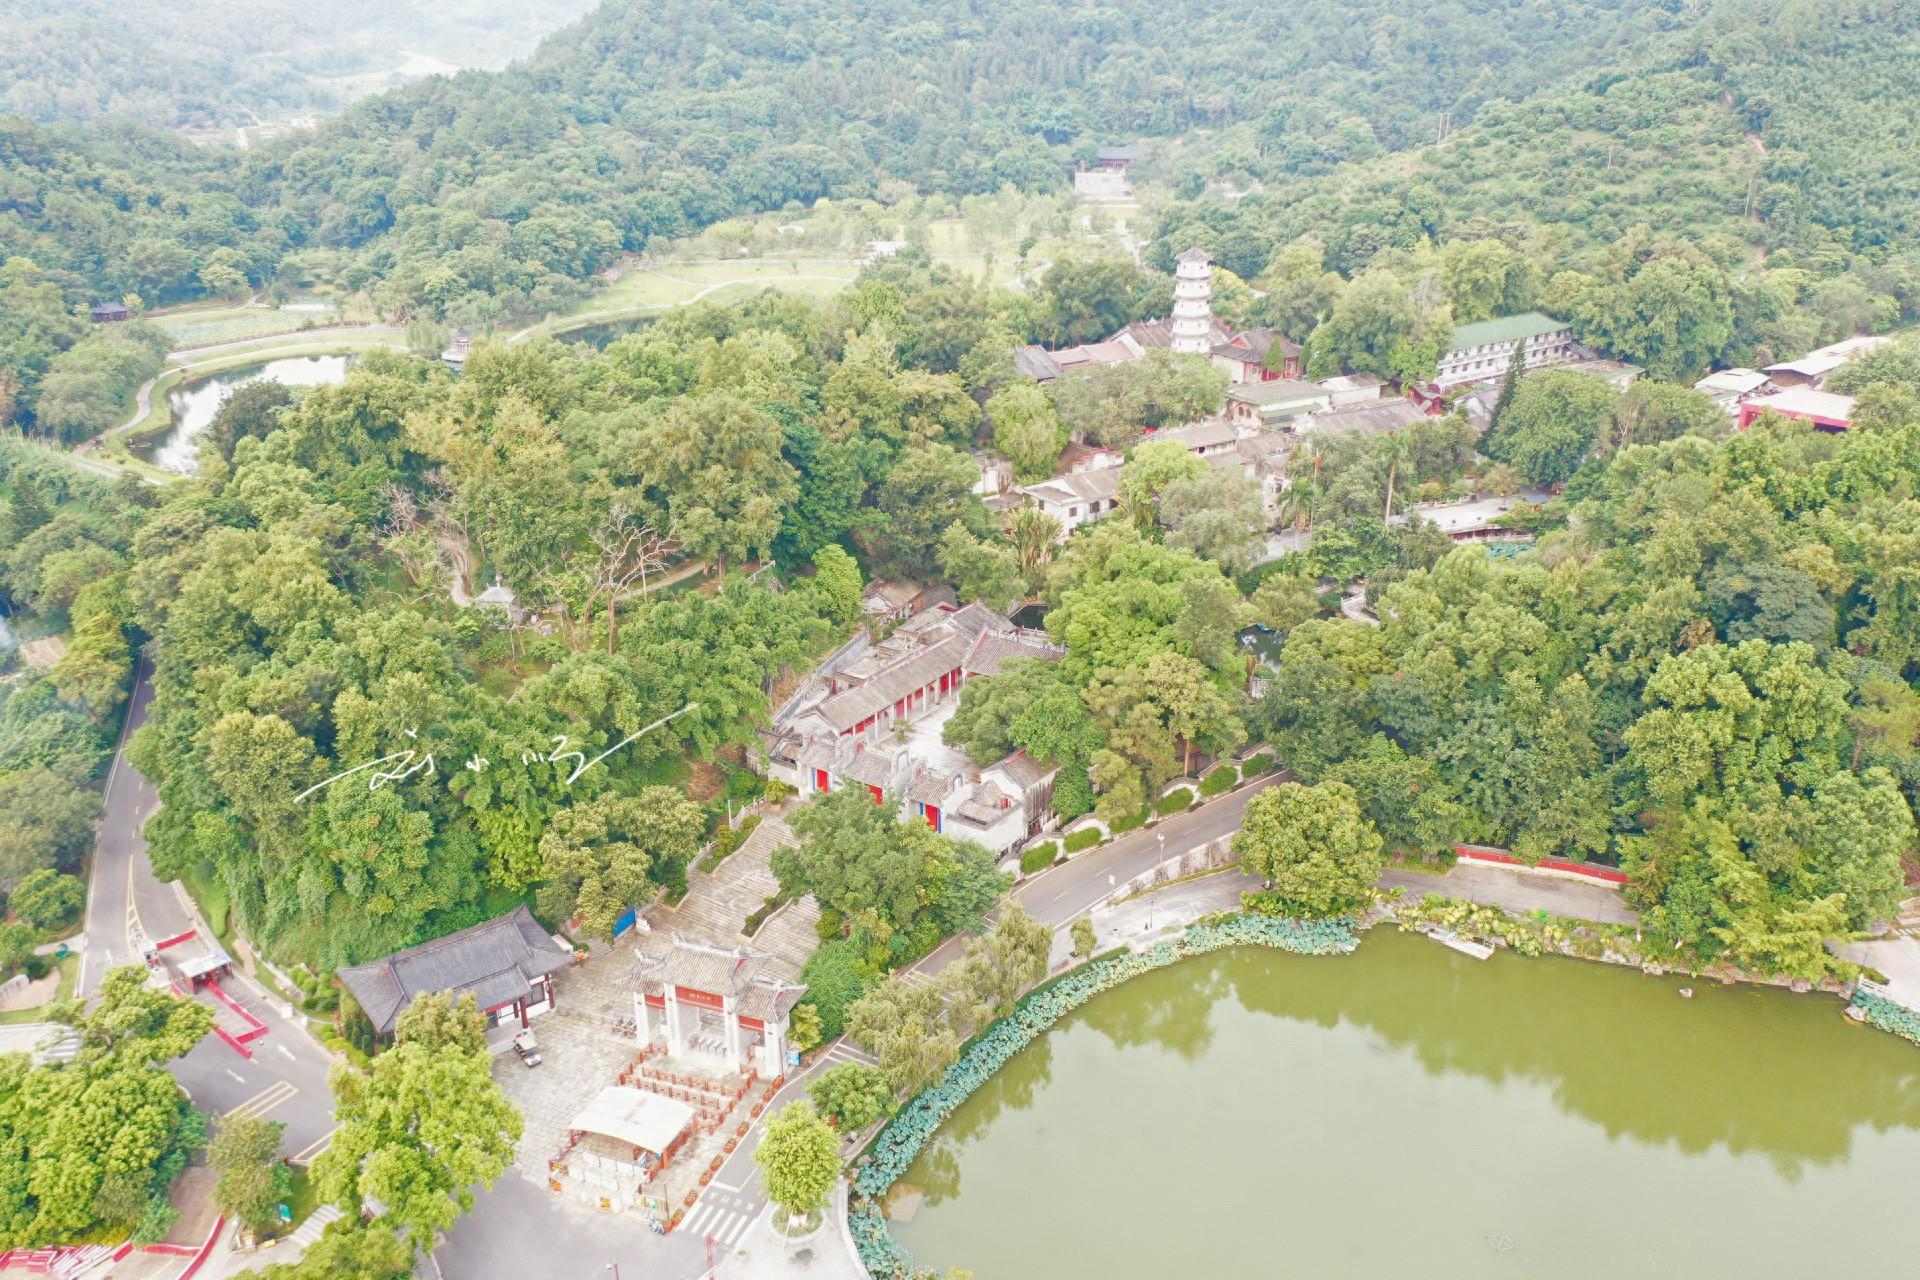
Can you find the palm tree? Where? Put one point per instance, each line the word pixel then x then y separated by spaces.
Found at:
pixel 1398 450
pixel 1032 533
pixel 1302 497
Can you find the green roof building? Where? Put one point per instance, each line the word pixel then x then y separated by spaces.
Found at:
pixel 1481 352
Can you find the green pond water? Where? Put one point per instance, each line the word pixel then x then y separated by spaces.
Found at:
pixel 1406 1111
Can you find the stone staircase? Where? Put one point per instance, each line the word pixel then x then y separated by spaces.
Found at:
pixel 718 902
pixel 316 1222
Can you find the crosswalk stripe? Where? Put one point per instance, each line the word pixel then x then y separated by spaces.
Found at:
pixel 739 1229
pixel 700 1215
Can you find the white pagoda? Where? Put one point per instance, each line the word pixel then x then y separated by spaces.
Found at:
pixel 1193 304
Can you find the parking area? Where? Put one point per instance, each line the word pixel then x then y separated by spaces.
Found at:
pixel 581 1053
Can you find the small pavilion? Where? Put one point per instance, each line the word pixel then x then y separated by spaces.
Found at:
pixel 620 1144
pixel 714 1003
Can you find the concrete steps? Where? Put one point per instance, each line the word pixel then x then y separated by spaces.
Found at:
pixel 316 1222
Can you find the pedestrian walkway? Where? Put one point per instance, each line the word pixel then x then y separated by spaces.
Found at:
pixel 846 1051
pixel 722 1216
pixel 309 1231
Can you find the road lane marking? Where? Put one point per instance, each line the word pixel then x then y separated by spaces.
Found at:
pixel 284 1052
pixel 314 1148
pixel 265 1100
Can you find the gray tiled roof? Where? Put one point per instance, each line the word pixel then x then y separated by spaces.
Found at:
pixel 698 967
pixel 1198 435
pixel 845 710
pixel 1382 415
pixel 495 962
pixel 1025 771
pixel 1033 362
pixel 994 648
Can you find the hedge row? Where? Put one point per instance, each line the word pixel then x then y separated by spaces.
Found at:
pixel 1223 778
pixel 899 1143
pixel 1178 800
pixel 1039 858
pixel 1082 840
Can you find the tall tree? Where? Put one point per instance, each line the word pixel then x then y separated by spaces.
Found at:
pixel 252 1179
pixel 419 1129
pixel 713 468
pixel 799 1159
pixel 1313 845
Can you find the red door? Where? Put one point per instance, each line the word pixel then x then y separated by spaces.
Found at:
pixel 820 780
pixel 879 796
pixel 933 817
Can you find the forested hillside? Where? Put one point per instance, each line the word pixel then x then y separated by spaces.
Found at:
pixel 1771 146
pixel 1788 127
pixel 205 62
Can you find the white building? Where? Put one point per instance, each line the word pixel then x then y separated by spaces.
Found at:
pixel 863 729
pixel 1729 387
pixel 1077 498
pixel 1481 352
pixel 1351 389
pixel 712 1002
pixel 1106 178
pixel 1193 327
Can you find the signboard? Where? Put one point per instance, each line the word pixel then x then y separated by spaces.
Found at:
pixel 706 1000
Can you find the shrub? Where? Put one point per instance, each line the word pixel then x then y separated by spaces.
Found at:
pixel 1175 801
pixel 1224 778
pixel 836 975
pixel 1128 822
pixel 803 1031
pixel 829 925
pixel 1083 839
pixel 726 840
pixel 1039 858
pixel 776 791
pixel 1256 764
pixel 758 918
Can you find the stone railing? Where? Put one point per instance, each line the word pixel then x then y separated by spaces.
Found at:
pixel 1215 855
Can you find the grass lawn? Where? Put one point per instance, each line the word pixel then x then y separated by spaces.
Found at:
pixel 67 970
pixel 640 293
pixel 303 1199
pixel 200 327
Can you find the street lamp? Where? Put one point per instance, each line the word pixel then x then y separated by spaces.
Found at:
pixel 613 1267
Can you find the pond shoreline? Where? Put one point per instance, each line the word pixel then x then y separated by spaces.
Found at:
pixel 887 1155
pixel 894 1148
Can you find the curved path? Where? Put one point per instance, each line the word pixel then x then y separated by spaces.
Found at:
pixel 286 1079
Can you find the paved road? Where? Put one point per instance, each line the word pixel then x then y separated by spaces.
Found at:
pixel 286 1080
pixel 1057 896
pixel 1519 891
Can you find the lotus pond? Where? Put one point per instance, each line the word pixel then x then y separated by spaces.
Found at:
pixel 1405 1110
